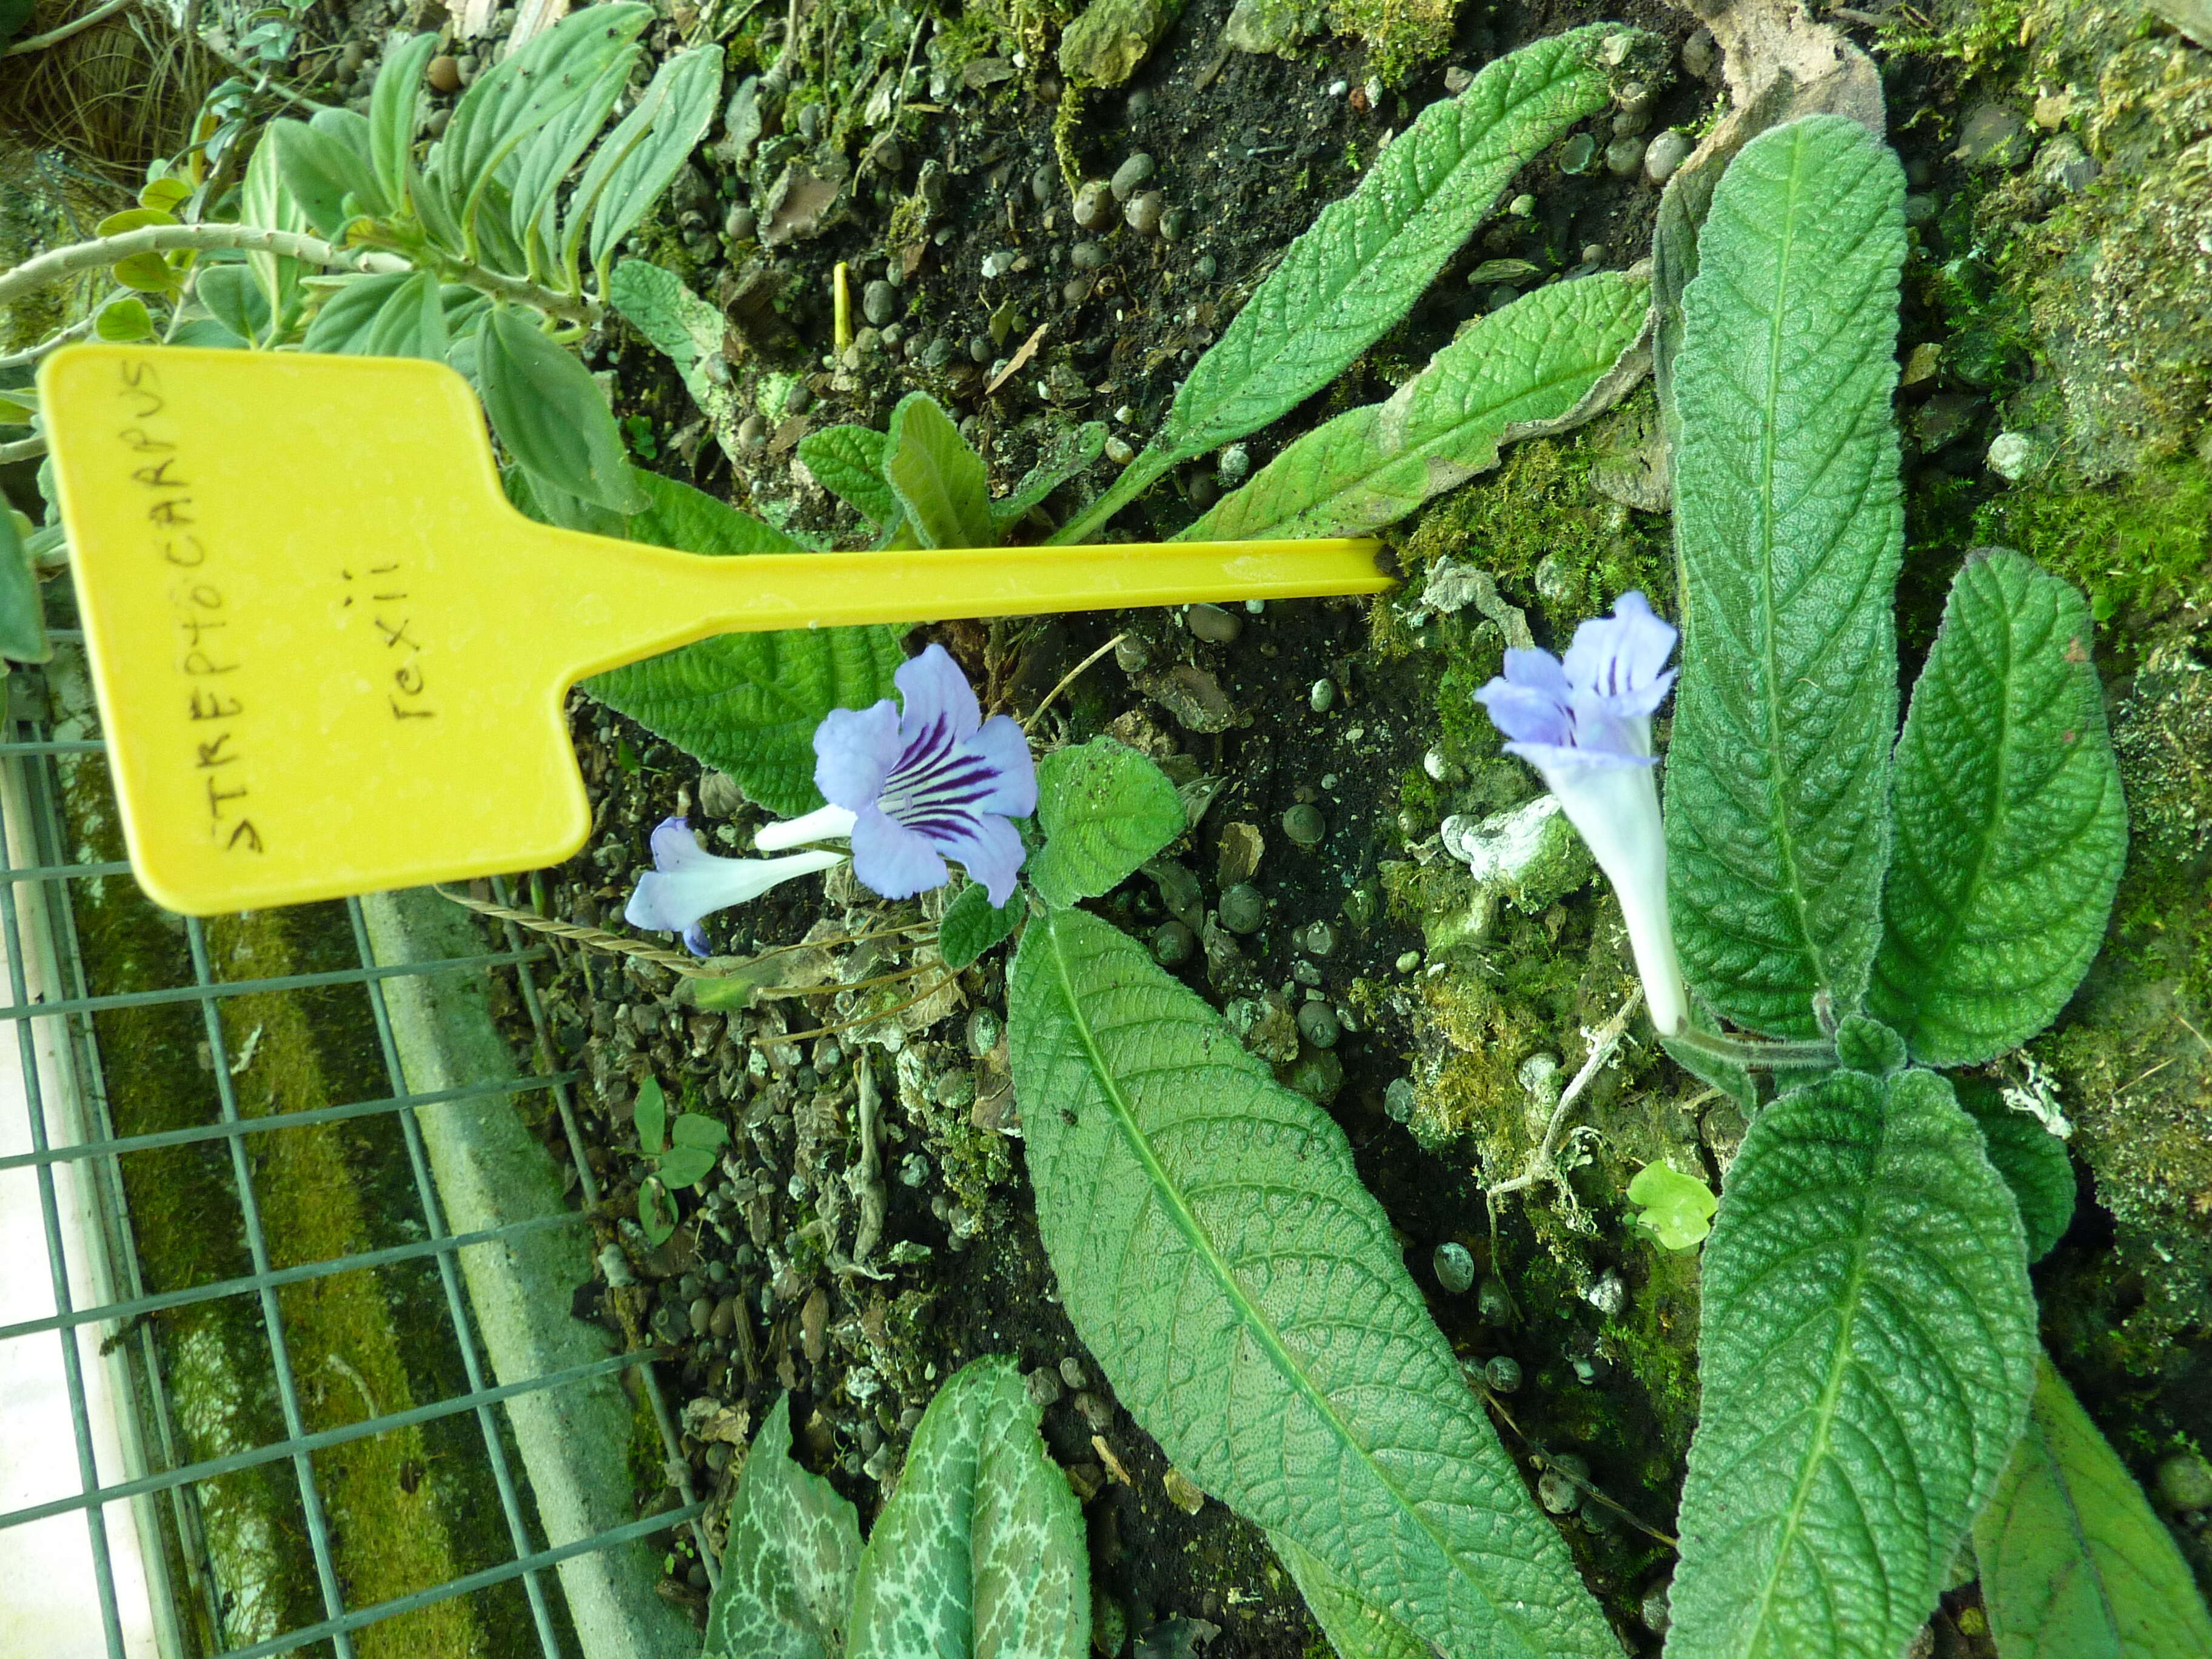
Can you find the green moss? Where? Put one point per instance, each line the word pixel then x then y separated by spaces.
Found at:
pixel 1400 35
pixel 2141 546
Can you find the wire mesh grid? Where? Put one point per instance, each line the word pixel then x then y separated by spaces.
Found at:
pixel 140 1472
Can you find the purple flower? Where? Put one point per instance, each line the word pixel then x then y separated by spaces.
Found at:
pixel 688 883
pixel 1585 724
pixel 913 789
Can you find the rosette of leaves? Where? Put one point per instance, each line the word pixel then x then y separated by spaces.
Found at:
pixel 681 1152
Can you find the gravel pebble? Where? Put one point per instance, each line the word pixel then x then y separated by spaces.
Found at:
pixel 1094 205
pixel 1577 153
pixel 879 302
pixel 1234 464
pixel 1130 174
pixel 1699 53
pixel 1322 697
pixel 1214 625
pixel 1304 825
pixel 1172 944
pixel 1318 1025
pixel 1144 212
pixel 1503 1373
pixel 1398 1100
pixel 1458 79
pixel 1088 256
pixel 1623 155
pixel 1242 910
pixel 445 75
pixel 1666 152
pixel 1455 1268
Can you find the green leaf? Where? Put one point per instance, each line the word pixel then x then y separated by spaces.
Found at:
pixel 313 167
pixel 233 298
pixel 1790 528
pixel 2075 1565
pixel 551 413
pixel 541 167
pixel 264 201
pixel 642 155
pixel 656 1211
pixel 1246 1296
pixel 2011 829
pixel 124 320
pixel 747 703
pixel 348 145
pixel 972 924
pixel 1866 1349
pixel 518 96
pixel 1676 1209
pixel 1531 368
pixel 848 461
pixel 1365 261
pixel 650 1116
pixel 392 314
pixel 14 18
pixel 1067 453
pixel 1104 809
pixel 22 604
pixel 395 108
pixel 685 1166
pixel 690 332
pixel 2032 1160
pixel 787 1567
pixel 1356 1627
pixel 981 1553
pixel 698 1129
pixel 937 479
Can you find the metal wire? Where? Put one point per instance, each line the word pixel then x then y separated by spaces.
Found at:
pixel 158 1482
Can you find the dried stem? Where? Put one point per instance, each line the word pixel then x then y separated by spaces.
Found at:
pixel 54 37
pixel 1037 713
pixel 597 938
pixel 865 1019
pixel 1544 1166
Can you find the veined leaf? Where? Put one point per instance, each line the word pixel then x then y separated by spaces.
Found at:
pixel 1361 264
pixel 263 200
pixel 541 167
pixel 649 1116
pixel 233 298
pixel 391 314
pixel 1790 527
pixel 2011 829
pixel 353 154
pixel 22 604
pixel 848 461
pixel 1104 809
pixel 787 1568
pixel 2032 1160
pixel 522 92
pixel 972 926
pixel 2073 1563
pixel 1357 1629
pixel 642 155
pixel 548 409
pixel 1067 452
pixel 1866 1351
pixel 395 108
pixel 1245 1295
pixel 1529 368
pixel 315 170
pixel 938 480
pixel 981 1554
pixel 745 702
pixel 689 331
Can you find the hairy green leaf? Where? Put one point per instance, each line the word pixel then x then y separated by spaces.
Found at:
pixel 233 298
pixel 1790 528
pixel 642 153
pixel 1216 1251
pixel 2075 1565
pixel 2011 829
pixel 124 320
pixel 518 96
pixel 263 200
pixel 747 703
pixel 689 331
pixel 972 924
pixel 540 167
pixel 550 414
pixel 787 1568
pixel 391 314
pixel 698 1129
pixel 1355 1628
pixel 1067 453
pixel 848 461
pixel 1104 809
pixel 1361 264
pixel 981 1553
pixel 312 165
pixel 938 480
pixel 1866 1349
pixel 352 154
pixel 395 108
pixel 1532 367
pixel 2032 1160
pixel 685 1166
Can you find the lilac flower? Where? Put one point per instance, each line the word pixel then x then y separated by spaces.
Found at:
pixel 688 883
pixel 914 788
pixel 1585 724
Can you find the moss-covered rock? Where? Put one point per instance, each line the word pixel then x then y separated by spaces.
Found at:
pixel 1103 47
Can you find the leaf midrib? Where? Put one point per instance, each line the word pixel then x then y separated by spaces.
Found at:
pixel 1784 779
pixel 1269 1339
pixel 2080 1534
pixel 1830 1397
